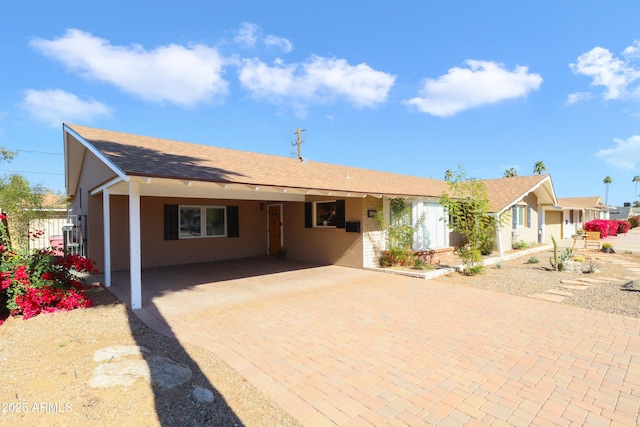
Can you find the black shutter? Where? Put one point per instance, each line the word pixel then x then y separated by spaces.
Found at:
pixel 340 214
pixel 308 215
pixel 170 222
pixel 233 225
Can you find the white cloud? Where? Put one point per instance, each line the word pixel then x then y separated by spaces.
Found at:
pixel 483 83
pixel 249 34
pixel 182 75
pixel 615 74
pixel 54 107
pixel 572 98
pixel 278 42
pixel 626 153
pixel 319 80
pixel 246 35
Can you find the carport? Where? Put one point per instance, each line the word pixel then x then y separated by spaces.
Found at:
pixel 343 346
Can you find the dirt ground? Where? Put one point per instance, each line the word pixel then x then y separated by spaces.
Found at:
pixel 47 364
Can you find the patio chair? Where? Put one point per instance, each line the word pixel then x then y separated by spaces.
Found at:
pixel 592 238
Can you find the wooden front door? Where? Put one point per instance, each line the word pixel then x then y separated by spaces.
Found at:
pixel 275 229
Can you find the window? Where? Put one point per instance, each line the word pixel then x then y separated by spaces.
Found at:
pixel 325 214
pixel 192 224
pixel 518 216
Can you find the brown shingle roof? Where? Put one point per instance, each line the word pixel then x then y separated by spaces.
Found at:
pixel 505 191
pixel 146 156
pixel 593 202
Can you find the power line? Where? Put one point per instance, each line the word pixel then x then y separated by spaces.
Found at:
pixel 38 173
pixel 19 150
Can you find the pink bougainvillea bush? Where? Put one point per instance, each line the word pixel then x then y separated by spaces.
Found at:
pixel 38 281
pixel 607 227
pixel 623 226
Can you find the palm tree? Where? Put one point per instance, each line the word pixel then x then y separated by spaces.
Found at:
pixel 607 180
pixel 539 167
pixel 511 172
pixel 636 179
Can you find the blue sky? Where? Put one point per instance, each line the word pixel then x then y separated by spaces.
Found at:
pixel 415 87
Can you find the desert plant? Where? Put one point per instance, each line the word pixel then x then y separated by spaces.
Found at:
pixel 533 260
pixel 467 204
pixel 520 244
pixel 590 267
pixel 607 247
pixel 559 259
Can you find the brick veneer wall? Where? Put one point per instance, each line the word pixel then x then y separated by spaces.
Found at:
pixel 373 236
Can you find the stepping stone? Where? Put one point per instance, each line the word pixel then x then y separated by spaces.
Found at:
pixel 547 297
pixel 603 280
pixel 576 287
pixel 558 292
pixel 573 282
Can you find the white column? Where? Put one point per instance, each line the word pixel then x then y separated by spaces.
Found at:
pixel 541 223
pixel 499 236
pixel 135 264
pixel 106 213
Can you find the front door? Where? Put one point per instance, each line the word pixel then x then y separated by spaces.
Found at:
pixel 275 229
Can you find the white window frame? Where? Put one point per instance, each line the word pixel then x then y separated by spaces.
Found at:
pixel 315 213
pixel 203 221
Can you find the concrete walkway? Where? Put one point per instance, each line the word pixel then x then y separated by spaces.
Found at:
pixel 341 346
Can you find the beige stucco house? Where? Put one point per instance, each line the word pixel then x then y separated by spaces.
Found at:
pixel 523 203
pixel 149 202
pixel 578 210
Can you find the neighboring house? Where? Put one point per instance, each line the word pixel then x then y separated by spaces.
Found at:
pixel 578 210
pixel 162 202
pixel 524 204
pixel 621 212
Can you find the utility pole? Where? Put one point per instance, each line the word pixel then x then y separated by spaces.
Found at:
pixel 299 142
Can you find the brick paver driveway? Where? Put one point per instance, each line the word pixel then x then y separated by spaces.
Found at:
pixel 335 345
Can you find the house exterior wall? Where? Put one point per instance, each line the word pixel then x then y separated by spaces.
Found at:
pixel 572 222
pixel 373 236
pixel 554 225
pixel 94 173
pixel 323 245
pixel 156 251
pixel 528 232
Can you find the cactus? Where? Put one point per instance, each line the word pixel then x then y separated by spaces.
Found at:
pixel 555 253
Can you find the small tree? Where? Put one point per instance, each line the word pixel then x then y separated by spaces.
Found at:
pixel 22 203
pixel 539 167
pixel 467 204
pixel 511 172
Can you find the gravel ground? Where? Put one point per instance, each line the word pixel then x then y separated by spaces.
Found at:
pixel 47 363
pixel 518 277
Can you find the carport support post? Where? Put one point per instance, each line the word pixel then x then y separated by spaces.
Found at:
pixel 498 236
pixel 135 264
pixel 106 213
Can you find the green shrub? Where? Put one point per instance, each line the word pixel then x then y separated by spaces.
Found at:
pixel 533 260
pixel 520 244
pixel 486 247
